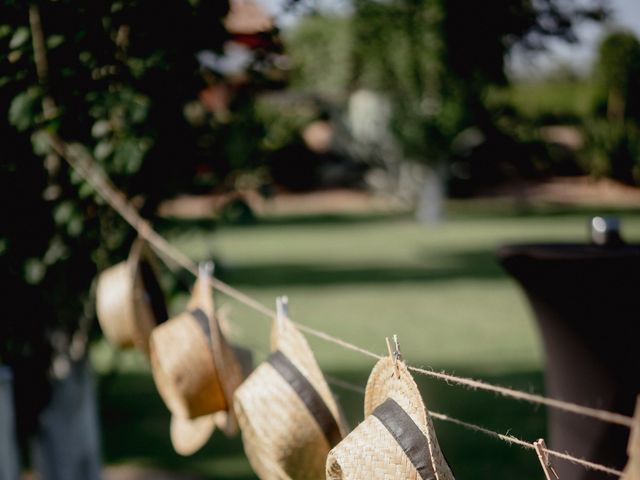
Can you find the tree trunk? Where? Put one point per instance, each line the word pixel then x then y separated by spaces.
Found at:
pixel 430 205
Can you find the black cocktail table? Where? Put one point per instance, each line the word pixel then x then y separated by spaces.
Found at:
pixel 586 299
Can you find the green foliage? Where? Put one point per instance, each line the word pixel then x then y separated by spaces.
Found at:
pixel 25 108
pixel 321 51
pixel 19 37
pixel 612 134
pixel 619 60
pixel 399 51
pixel 545 101
pixel 617 72
pixel 119 74
pixel 397 46
pixel 283 121
pixel 613 150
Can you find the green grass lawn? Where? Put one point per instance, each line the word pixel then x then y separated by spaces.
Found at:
pixel 362 278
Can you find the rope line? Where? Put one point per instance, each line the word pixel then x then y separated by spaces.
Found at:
pixel 81 163
pixel 603 415
pixel 471 383
pixel 509 439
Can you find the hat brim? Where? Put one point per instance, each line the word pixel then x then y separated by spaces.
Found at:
pixel 188 435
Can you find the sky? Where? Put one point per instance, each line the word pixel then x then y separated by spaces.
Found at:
pixel 626 15
pixel 578 57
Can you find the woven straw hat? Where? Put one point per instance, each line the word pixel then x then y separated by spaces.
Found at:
pixel 396 439
pixel 129 301
pixel 632 469
pixel 288 417
pixel 196 371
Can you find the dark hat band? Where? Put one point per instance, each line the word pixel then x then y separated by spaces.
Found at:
pixel 410 438
pixel 309 396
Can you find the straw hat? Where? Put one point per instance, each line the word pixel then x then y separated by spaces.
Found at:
pixel 288 417
pixel 396 439
pixel 196 371
pixel 129 301
pixel 632 469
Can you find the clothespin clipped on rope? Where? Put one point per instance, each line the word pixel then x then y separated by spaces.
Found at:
pixel 543 456
pixel 282 310
pixel 206 268
pixel 632 470
pixel 394 353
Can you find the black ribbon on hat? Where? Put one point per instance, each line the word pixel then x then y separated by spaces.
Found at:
pixel 410 438
pixel 309 396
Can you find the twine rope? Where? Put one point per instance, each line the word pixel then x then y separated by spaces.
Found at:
pixel 528 445
pixel 87 169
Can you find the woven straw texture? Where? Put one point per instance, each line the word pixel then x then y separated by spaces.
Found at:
pixel 114 304
pixel 632 469
pixel 370 451
pixel 184 370
pixel 281 438
pixel 125 312
pixel 189 435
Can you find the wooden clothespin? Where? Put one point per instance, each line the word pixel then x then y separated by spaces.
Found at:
pixel 394 353
pixel 206 269
pixel 543 456
pixel 282 310
pixel 632 470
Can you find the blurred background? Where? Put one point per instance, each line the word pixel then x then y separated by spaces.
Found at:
pixel 364 157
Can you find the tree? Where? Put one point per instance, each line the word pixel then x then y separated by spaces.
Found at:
pixel 617 71
pixel 113 77
pixel 613 144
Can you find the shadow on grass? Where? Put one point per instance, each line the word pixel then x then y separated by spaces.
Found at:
pixel 136 423
pixel 135 428
pixel 480 264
